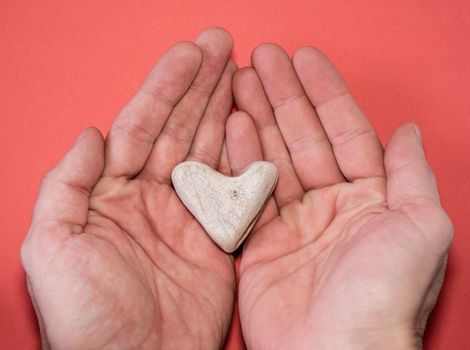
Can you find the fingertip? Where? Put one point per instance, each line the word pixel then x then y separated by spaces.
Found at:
pixel 186 51
pixel 406 135
pixel 222 33
pixel 91 138
pixel 267 48
pixel 417 132
pixel 96 146
pixel 243 144
pixel 410 129
pixel 94 134
pixel 406 128
pixel 84 163
pixel 314 63
pixel 239 124
pixel 309 53
pixel 394 150
pixel 242 82
pixel 241 74
pixel 180 62
pixel 319 77
pixel 216 37
pixel 266 52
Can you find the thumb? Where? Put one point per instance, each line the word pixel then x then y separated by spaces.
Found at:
pixel 62 205
pixel 411 185
pixel 409 176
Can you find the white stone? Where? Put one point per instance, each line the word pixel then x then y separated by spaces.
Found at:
pixel 227 207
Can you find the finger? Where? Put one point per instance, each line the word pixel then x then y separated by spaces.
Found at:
pixel 408 173
pixel 411 185
pixel 209 138
pixel 134 131
pixel 356 146
pixel 63 201
pixel 174 142
pixel 243 146
pixel 250 97
pixel 308 145
pixel 224 164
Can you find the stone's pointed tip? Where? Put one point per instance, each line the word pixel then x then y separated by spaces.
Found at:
pixel 228 249
pixel 227 207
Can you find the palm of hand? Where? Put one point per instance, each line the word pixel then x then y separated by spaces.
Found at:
pixel 340 261
pixel 141 260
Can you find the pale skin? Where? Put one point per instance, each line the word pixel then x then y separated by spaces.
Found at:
pixel 113 258
pixel 349 252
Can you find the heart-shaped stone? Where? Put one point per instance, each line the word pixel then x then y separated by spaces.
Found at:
pixel 227 207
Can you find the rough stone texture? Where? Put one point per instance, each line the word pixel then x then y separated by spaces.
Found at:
pixel 227 207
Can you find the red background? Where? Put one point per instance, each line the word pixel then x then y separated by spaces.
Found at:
pixel 66 65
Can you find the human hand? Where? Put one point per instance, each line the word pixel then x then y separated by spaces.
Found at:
pixel 351 251
pixel 113 258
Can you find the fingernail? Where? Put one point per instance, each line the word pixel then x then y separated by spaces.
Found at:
pixel 418 133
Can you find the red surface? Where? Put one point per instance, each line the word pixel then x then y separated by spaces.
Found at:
pixel 66 65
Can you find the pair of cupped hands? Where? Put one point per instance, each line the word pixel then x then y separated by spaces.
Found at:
pixel 349 252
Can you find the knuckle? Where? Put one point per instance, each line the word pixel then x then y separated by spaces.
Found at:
pixel 158 97
pixel 284 200
pixel 348 135
pixel 306 142
pixel 135 131
pixel 178 131
pixel 203 156
pixel 286 101
pixel 200 90
pixel 280 162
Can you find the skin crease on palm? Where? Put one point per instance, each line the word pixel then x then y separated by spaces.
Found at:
pixel 349 252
